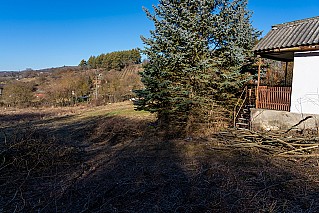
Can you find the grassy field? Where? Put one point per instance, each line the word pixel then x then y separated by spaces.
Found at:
pixel 113 159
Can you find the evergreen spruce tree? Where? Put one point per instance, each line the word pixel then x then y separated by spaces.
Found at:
pixel 91 62
pixel 195 57
pixel 83 64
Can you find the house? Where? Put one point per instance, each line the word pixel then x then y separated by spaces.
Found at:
pixel 40 94
pixel 285 106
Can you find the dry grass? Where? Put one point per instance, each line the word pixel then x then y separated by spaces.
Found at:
pixel 110 159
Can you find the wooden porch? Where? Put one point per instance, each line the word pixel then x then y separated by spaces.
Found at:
pixel 275 98
pixel 261 97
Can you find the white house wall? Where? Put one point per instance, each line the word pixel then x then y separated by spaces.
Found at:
pixel 305 84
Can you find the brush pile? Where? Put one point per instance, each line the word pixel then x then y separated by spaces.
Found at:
pixel 277 144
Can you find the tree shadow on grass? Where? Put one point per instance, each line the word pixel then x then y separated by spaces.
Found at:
pixel 128 166
pixel 143 172
pixel 14 119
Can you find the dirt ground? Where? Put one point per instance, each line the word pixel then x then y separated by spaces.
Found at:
pixel 113 159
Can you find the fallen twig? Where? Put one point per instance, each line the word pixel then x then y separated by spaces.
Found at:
pixel 299 156
pixel 298 150
pixel 303 120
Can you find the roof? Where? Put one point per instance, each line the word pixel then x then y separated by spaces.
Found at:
pixel 283 38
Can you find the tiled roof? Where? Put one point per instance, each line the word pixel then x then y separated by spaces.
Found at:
pixel 291 34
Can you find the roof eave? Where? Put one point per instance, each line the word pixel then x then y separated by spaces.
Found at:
pixel 282 54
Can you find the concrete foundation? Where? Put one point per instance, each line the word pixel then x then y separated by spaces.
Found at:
pixel 266 120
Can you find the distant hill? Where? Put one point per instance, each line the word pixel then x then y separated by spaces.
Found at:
pixel 30 73
pixel 61 86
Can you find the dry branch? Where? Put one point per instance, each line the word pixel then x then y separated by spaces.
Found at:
pixel 303 120
pixel 298 150
pixel 275 143
pixel 299 156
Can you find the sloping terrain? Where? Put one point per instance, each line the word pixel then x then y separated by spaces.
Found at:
pixel 113 159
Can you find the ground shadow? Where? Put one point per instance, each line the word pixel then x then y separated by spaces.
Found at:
pixel 129 166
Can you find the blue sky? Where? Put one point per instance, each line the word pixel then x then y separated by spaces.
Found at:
pixel 41 34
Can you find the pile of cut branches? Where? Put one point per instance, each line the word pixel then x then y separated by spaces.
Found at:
pixel 278 144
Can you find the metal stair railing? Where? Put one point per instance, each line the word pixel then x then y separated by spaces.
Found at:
pixel 236 112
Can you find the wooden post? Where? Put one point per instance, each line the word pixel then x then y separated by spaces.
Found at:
pixel 258 83
pixel 286 71
pixel 96 85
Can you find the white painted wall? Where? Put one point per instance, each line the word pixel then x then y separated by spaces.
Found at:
pixel 305 83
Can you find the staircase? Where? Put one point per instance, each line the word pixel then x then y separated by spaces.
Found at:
pixel 242 109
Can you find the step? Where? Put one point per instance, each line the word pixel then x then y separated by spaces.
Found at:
pixel 243 119
pixel 242 124
pixel 244 115
pixel 240 128
pixel 247 116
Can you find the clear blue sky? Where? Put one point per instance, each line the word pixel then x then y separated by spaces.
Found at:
pixel 41 34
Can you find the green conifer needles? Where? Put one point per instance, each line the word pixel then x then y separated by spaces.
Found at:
pixel 195 55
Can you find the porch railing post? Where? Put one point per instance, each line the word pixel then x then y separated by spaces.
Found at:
pixel 258 83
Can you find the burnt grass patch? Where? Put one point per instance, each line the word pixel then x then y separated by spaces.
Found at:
pixel 122 164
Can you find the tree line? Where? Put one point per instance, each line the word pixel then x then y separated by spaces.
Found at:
pixel 113 61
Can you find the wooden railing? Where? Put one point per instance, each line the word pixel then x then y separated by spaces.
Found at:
pixel 276 98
